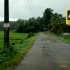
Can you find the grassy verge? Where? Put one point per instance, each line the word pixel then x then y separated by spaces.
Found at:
pixel 21 50
pixel 63 38
pixel 14 37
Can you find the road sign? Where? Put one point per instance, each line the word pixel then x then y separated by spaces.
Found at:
pixel 68 16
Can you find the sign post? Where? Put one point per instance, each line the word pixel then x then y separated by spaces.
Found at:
pixel 68 16
pixel 6 23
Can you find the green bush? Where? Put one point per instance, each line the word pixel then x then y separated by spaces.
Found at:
pixel 57 29
pixel 7 53
pixel 30 35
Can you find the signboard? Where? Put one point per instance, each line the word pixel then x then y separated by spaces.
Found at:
pixel 6 25
pixel 68 16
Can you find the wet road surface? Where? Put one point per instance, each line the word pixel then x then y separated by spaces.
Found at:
pixel 47 53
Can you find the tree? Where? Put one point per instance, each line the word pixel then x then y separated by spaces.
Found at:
pixel 40 22
pixel 55 25
pixel 20 26
pixel 47 16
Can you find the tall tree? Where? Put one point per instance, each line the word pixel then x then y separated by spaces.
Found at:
pixel 47 16
pixel 56 22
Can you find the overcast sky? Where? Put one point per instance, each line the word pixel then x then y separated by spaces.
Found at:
pixel 24 9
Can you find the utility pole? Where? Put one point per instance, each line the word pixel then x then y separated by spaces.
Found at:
pixel 6 23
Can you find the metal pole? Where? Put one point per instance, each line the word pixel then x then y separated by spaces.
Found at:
pixel 6 23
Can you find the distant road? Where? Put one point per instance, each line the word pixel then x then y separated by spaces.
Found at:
pixel 47 53
pixel 66 34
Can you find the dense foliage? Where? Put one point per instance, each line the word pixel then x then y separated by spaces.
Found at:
pixel 53 22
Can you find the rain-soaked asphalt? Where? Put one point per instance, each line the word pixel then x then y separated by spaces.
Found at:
pixel 47 53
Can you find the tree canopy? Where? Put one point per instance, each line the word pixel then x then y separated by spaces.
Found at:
pixel 53 22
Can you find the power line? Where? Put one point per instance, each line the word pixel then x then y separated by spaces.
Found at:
pixel 30 7
pixel 34 6
pixel 33 3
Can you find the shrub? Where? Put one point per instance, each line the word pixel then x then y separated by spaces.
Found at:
pixel 7 53
pixel 30 35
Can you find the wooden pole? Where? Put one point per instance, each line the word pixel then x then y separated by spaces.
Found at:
pixel 6 23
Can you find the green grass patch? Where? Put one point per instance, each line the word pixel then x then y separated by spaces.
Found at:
pixel 18 53
pixel 63 38
pixel 17 35
pixel 14 37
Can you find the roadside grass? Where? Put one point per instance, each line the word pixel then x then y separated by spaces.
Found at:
pixel 63 38
pixel 18 35
pixel 14 37
pixel 21 50
pixel 1 35
pixel 1 43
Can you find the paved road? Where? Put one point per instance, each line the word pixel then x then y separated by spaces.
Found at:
pixel 47 53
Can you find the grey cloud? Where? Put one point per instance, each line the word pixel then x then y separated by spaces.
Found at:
pixel 21 9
